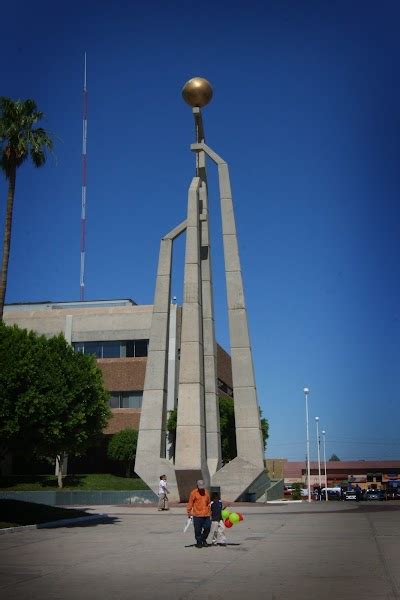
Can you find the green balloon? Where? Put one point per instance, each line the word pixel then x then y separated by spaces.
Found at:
pixel 225 514
pixel 234 518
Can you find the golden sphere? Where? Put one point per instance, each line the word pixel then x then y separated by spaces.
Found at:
pixel 197 92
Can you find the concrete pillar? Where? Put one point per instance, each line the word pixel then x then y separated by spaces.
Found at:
pixel 150 460
pixel 68 328
pixel 247 416
pixel 213 438
pixel 190 448
pixel 235 477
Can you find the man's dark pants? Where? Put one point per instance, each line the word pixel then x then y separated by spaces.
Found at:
pixel 202 526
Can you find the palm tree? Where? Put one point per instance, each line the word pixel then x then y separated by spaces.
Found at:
pixel 19 140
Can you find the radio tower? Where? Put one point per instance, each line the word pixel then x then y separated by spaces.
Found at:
pixel 84 173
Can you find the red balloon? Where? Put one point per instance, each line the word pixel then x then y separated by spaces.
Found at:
pixel 228 524
pixel 241 517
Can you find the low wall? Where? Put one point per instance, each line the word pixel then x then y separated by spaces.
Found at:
pixel 275 491
pixel 58 498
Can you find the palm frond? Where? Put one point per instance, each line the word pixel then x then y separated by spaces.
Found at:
pixel 38 157
pixel 18 137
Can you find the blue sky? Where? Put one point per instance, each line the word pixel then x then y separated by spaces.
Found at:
pixel 306 110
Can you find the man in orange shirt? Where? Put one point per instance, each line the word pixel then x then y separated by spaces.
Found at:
pixel 199 508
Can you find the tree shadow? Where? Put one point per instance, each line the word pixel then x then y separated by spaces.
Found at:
pixel 18 513
pixel 102 520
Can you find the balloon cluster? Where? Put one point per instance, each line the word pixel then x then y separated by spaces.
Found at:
pixel 230 518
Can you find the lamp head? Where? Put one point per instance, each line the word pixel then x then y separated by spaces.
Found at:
pixel 323 432
pixel 317 419
pixel 306 390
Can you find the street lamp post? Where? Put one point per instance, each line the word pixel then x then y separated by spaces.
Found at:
pixel 326 481
pixel 306 392
pixel 319 455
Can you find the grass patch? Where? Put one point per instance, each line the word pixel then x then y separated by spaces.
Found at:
pixel 96 481
pixel 14 513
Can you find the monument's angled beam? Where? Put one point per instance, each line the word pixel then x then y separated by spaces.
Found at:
pixel 237 475
pixel 151 461
pixel 176 231
pixel 190 448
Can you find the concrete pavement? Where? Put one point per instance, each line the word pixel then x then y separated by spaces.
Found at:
pixel 323 550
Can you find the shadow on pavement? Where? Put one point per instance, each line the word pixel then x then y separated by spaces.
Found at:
pixel 213 545
pixel 100 521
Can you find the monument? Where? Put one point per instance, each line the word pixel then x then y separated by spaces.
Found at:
pixel 198 441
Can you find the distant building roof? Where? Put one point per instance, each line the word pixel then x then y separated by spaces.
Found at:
pixel 295 468
pixel 49 305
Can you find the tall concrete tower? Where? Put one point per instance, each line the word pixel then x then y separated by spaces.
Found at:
pixel 198 440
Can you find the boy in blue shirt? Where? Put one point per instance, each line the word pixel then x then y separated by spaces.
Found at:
pixel 217 524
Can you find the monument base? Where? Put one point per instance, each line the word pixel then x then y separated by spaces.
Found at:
pixel 235 478
pixel 186 481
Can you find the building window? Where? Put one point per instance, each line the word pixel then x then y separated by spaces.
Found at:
pixel 137 348
pixel 141 347
pixel 114 400
pixel 126 399
pixel 95 348
pixel 113 349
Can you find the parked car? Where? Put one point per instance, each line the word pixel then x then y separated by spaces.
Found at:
pixel 333 495
pixel 393 494
pixel 393 490
pixel 374 495
pixel 350 495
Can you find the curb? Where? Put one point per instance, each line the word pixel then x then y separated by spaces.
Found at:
pixel 51 524
pixel 284 502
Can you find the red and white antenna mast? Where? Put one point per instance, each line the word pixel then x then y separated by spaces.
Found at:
pixel 84 175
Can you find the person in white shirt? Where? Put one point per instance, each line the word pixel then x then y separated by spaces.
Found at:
pixel 163 493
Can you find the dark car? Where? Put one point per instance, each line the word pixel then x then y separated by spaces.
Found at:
pixel 393 491
pixel 350 495
pixel 332 495
pixel 374 495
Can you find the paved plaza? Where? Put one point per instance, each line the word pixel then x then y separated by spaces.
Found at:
pixel 323 550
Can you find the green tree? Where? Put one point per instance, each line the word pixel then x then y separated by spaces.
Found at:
pixel 122 447
pixel 334 458
pixel 227 428
pixel 296 494
pixel 228 431
pixel 171 429
pixel 19 140
pixel 52 400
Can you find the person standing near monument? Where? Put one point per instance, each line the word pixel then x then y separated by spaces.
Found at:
pixel 163 493
pixel 199 508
